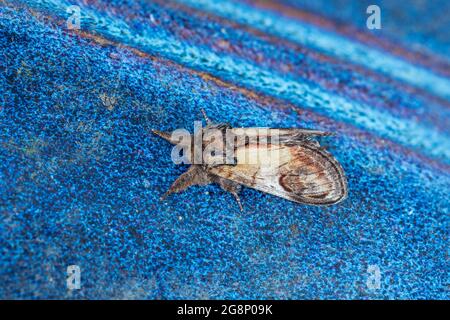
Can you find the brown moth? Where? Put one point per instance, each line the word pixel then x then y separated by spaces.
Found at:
pixel 287 163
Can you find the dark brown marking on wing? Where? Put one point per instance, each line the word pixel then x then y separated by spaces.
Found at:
pixel 284 184
pixel 327 173
pixel 318 195
pixel 330 160
pixel 254 177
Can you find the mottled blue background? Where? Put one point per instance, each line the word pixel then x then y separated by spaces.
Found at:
pixel 81 174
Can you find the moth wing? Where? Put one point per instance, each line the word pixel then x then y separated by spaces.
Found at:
pixel 300 172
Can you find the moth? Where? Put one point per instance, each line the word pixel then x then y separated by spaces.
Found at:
pixel 288 163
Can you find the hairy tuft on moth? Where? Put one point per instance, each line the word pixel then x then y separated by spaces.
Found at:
pixel 287 163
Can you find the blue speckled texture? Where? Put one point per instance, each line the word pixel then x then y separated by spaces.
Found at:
pixel 81 174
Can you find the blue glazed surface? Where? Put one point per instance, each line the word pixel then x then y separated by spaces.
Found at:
pixel 81 174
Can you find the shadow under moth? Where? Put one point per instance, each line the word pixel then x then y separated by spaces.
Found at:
pixel 288 163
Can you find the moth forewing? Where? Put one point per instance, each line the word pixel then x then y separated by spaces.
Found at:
pixel 305 174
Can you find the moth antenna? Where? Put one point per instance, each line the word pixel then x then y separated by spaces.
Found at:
pixel 205 116
pixel 164 135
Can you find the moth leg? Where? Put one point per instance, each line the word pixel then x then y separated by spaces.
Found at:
pixel 236 196
pixel 233 188
pixel 194 176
